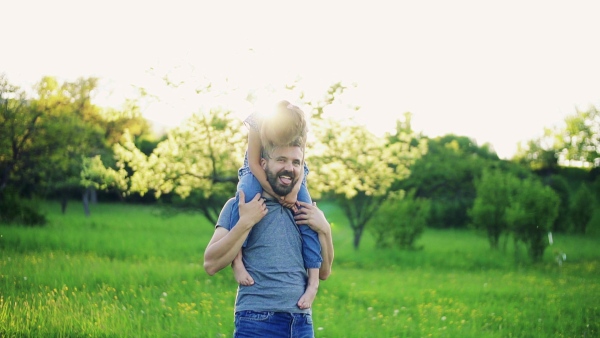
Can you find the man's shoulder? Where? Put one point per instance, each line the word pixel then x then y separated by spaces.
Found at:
pixel 225 215
pixel 229 203
pixel 228 206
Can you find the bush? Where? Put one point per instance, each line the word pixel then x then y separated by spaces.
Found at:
pixel 15 210
pixel 488 211
pixel 561 187
pixel 400 221
pixel 530 215
pixel 582 208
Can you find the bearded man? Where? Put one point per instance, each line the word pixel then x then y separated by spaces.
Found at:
pixel 273 251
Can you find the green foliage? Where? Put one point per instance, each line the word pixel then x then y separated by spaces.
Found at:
pixel 18 122
pixel 494 189
pixel 70 130
pixel 15 210
pixel 576 143
pixel 400 221
pixel 445 176
pixel 45 137
pixel 579 141
pixel 537 154
pixel 115 122
pixel 531 213
pixel 596 187
pixel 582 208
pixel 561 188
pixel 525 208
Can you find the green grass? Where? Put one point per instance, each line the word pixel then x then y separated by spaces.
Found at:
pixel 128 272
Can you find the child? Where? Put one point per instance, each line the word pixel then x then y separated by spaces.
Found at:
pixel 285 125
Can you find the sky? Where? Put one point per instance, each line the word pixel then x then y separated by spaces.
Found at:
pixel 496 71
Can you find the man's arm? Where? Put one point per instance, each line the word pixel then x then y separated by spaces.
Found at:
pixel 224 244
pixel 315 219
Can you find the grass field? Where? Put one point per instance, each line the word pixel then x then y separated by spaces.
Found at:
pixel 128 272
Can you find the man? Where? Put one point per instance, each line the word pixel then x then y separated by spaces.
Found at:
pixel 273 253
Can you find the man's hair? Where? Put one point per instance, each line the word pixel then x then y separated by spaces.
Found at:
pixel 269 147
pixel 285 126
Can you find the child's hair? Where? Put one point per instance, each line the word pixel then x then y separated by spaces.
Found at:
pixel 285 127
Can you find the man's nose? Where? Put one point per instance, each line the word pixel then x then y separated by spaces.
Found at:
pixel 288 166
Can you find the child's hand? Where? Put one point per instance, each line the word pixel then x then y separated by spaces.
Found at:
pixel 290 202
pixel 290 199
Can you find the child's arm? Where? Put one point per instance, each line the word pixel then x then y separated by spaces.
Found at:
pixel 290 199
pixel 254 148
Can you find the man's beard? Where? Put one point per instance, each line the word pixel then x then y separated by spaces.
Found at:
pixel 278 188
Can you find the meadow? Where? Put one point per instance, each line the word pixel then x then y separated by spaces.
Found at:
pixel 128 271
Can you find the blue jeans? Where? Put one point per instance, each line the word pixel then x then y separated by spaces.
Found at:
pixel 253 324
pixel 311 247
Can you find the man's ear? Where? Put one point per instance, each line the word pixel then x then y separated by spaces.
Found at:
pixel 263 163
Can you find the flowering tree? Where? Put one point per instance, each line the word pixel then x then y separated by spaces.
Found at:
pixel 357 168
pixel 200 158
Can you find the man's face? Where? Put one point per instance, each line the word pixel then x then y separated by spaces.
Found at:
pixel 283 168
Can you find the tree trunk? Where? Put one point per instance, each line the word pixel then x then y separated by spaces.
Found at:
pixel 63 204
pixel 5 176
pixel 357 236
pixel 86 202
pixel 93 195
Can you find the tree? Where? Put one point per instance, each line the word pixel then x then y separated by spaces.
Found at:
pixel 46 133
pixel 445 176
pixel 493 191
pixel 129 118
pixel 95 174
pixel 18 127
pixel 576 143
pixel 532 210
pixel 45 136
pixel 561 188
pixel 538 154
pixel 400 220
pixel 357 168
pixel 579 141
pixel 71 129
pixel 582 208
pixel 200 158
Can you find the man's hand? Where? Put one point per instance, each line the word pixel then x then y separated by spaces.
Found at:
pixel 313 217
pixel 226 244
pixel 253 211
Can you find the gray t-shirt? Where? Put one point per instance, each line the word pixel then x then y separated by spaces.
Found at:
pixel 273 257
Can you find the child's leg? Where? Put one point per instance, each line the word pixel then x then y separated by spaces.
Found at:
pixel 310 293
pixel 239 271
pixel 311 252
pixel 250 186
pixel 311 247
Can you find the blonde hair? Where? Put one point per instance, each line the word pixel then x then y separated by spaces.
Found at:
pixel 286 127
